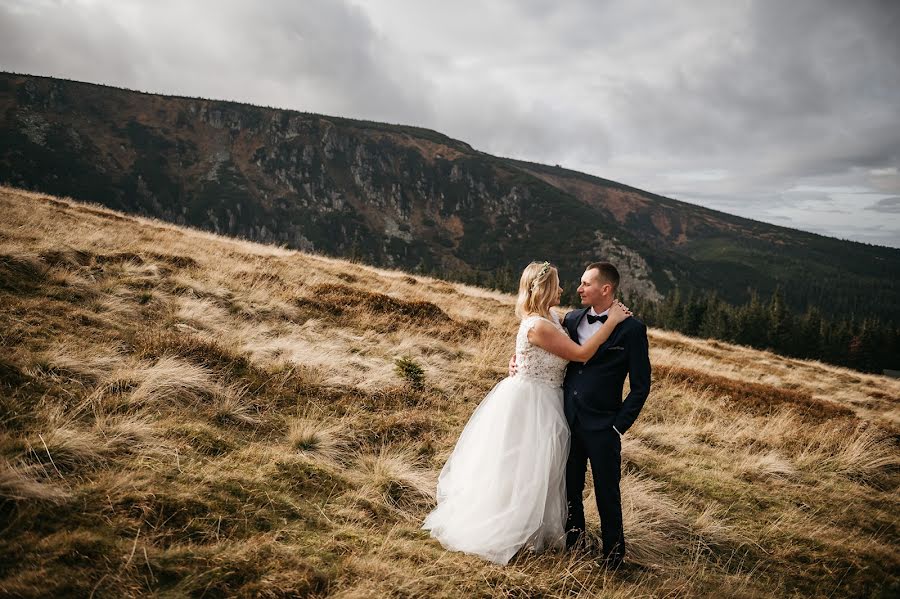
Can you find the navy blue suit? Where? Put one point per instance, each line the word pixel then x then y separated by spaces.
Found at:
pixel 593 405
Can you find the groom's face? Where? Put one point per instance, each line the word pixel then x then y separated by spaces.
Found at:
pixel 592 291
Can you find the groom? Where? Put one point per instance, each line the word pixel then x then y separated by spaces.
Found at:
pixel 597 415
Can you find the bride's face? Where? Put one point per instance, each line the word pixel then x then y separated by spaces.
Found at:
pixel 558 297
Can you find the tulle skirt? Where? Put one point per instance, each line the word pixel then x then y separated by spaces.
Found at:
pixel 503 486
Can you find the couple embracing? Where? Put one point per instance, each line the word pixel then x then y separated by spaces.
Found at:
pixel 516 476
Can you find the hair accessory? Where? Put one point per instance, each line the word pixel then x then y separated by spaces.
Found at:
pixel 545 267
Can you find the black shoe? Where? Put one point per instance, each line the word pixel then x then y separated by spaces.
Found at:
pixel 576 540
pixel 614 554
pixel 613 562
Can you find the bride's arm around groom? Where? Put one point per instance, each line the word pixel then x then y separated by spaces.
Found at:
pixel 555 341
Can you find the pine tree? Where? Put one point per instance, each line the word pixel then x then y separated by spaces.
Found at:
pixel 694 309
pixel 752 323
pixel 779 322
pixel 715 323
pixel 810 339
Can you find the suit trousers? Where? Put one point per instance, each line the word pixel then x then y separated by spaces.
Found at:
pixel 603 449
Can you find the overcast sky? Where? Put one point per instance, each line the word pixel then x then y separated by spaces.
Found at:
pixel 785 111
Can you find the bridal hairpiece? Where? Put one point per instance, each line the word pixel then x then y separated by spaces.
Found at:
pixel 544 268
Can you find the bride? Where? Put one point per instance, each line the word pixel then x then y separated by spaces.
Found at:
pixel 503 486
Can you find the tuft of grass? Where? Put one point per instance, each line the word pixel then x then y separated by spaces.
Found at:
pixel 21 483
pixel 313 438
pixel 232 405
pixel 68 361
pixel 21 272
pixel 862 453
pixel 126 435
pixel 66 449
pixel 393 479
pixel 11 374
pixel 655 524
pixel 172 381
pixel 766 465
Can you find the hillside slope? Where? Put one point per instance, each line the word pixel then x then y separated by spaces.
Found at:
pixel 405 197
pixel 188 414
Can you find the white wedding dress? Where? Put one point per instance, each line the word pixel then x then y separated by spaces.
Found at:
pixel 503 486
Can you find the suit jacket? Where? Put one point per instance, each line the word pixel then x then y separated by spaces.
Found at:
pixel 592 391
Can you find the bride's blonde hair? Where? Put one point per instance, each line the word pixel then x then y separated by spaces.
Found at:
pixel 537 288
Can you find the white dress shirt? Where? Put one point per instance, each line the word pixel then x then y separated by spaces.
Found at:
pixel 586 329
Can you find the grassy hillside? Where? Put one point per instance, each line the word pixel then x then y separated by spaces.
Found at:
pixel 187 414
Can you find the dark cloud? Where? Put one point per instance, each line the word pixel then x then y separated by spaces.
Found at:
pixel 65 40
pixel 886 205
pixel 794 89
pixel 317 55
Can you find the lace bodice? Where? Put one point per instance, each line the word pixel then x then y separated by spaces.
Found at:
pixel 535 362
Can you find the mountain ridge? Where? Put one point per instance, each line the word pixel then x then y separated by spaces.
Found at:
pixel 403 196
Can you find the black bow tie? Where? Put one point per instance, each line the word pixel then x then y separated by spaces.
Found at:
pixel 593 319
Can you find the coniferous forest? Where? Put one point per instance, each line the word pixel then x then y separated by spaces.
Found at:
pixel 870 344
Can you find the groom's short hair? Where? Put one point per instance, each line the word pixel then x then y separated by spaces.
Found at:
pixel 607 273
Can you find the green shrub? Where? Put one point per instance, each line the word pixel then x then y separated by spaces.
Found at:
pixel 410 371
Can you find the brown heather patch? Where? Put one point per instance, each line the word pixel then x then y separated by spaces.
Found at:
pixel 429 150
pixel 712 349
pixel 386 313
pixel 158 343
pixel 11 375
pixel 20 274
pixel 756 398
pixel 107 215
pixel 67 258
pixel 881 395
pixel 377 403
pixel 174 261
pixel 261 277
pixel 406 427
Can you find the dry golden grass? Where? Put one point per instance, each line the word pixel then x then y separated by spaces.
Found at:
pixel 311 438
pixel 187 414
pixel 20 483
pixel 394 478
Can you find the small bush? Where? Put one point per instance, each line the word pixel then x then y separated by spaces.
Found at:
pixel 410 371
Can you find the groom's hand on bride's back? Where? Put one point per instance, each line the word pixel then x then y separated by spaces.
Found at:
pixel 512 365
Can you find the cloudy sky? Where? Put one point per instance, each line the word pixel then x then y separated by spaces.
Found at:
pixel 786 112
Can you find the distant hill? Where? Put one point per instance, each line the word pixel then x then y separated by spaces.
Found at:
pixel 407 197
pixel 184 414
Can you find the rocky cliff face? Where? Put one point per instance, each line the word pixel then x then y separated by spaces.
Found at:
pixel 389 195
